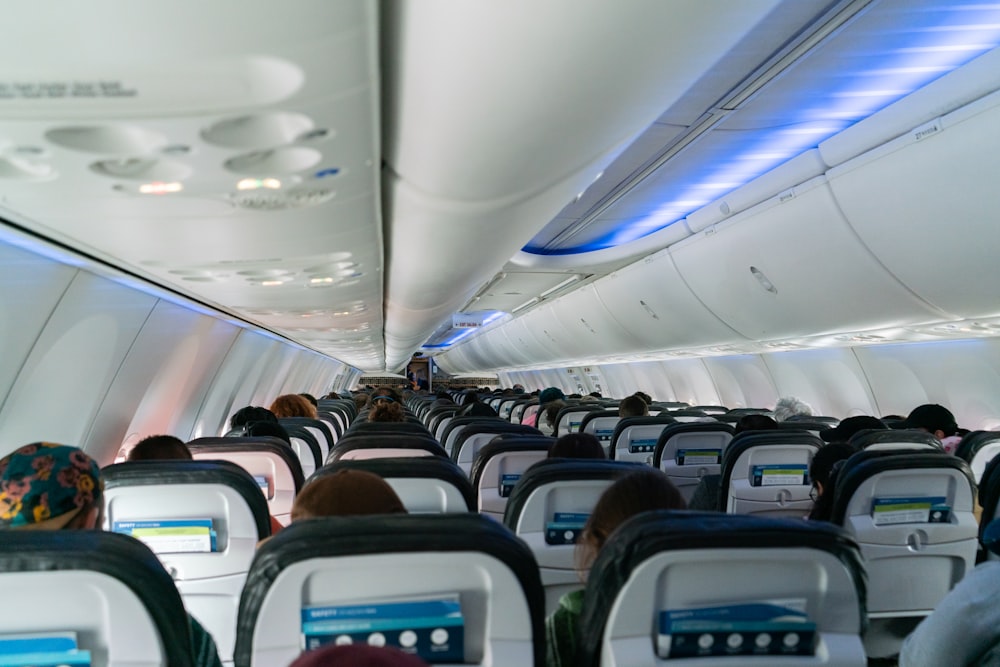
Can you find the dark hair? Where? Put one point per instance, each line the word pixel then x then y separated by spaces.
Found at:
pixel 646 398
pixel 387 412
pixel 311 399
pixel 755 422
pixel 636 492
pixel 346 493
pixel 577 446
pixel 387 391
pixel 244 416
pixel 552 411
pixel 159 448
pixel 823 469
pixel 272 429
pixel 292 405
pixel 633 406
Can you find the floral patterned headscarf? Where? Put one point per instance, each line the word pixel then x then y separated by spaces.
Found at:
pixel 43 481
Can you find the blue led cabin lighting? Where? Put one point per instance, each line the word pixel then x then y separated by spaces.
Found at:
pixel 928 43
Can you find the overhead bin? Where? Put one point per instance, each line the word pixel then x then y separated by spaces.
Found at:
pixel 651 300
pixel 792 266
pixel 926 204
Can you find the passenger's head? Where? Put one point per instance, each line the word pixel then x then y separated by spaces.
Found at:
pixel 641 491
pixel 470 398
pixel 755 422
pixel 357 655
pixel 646 398
pixel 633 406
pixel 789 406
pixel 346 493
pixel 823 472
pixel 312 399
pixel 361 401
pixel 552 411
pixel 843 431
pixel 577 446
pixel 387 411
pixel 160 448
pixel 249 414
pixel 44 486
pixel 386 393
pixel 292 405
pixel 933 418
pixel 551 394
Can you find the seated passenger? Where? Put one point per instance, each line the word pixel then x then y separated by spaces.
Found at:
pixel 357 655
pixel 843 431
pixel 473 407
pixel 632 406
pixel 646 398
pixel 754 422
pixel 386 410
pixel 577 446
pixel 964 628
pixel 938 421
pixel 346 493
pixel 788 407
pixel 640 491
pixel 311 399
pixel 546 398
pixel 292 405
pixel 159 448
pixel 823 472
pixel 251 414
pixel 44 486
pixel 362 401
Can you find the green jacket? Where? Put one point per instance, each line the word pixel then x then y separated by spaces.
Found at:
pixel 562 631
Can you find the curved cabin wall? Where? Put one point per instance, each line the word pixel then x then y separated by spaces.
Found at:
pixel 94 361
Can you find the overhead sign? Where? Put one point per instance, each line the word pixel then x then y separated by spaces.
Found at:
pixel 468 320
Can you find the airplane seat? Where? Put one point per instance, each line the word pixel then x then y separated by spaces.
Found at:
pixel 767 472
pixel 570 418
pixel 270 461
pixel 887 440
pixel 635 438
pixel 601 424
pixel 529 410
pixel 662 584
pixel 305 446
pixel 458 423
pixel 686 452
pixel 498 467
pixel 517 413
pixel 978 448
pixel 434 417
pixel 319 429
pixel 470 588
pixel 691 415
pixel 201 496
pixel 426 485
pixel 989 500
pixel 476 436
pixel 812 425
pixel 442 424
pixel 385 445
pixel 505 406
pixel 106 595
pixel 333 424
pixel 361 428
pixel 711 410
pixel 548 508
pixel 912 514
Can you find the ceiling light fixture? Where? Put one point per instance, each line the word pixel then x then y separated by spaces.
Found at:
pixel 160 188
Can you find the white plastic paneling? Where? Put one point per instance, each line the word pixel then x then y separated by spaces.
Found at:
pixel 165 376
pixel 592 330
pixel 927 208
pixel 963 376
pixel 742 381
pixel 652 378
pixel 30 287
pixel 831 381
pixel 619 380
pixel 797 170
pixel 692 382
pixel 235 383
pixel 824 279
pixel 537 347
pixel 65 378
pixel 651 301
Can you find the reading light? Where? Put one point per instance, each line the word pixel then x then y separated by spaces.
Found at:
pixel 160 188
pixel 257 183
